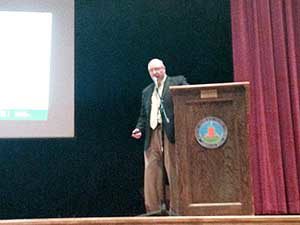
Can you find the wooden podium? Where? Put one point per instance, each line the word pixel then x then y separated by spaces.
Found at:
pixel 210 179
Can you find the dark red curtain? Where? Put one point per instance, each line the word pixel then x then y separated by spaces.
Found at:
pixel 266 52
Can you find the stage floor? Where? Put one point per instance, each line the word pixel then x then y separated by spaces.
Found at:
pixel 185 220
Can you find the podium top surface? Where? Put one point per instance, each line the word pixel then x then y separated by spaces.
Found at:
pixel 212 85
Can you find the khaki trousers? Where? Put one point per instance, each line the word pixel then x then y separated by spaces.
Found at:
pixel 153 176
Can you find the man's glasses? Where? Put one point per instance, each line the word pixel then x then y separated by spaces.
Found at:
pixel 156 68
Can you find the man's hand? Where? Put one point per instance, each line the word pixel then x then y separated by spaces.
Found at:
pixel 136 133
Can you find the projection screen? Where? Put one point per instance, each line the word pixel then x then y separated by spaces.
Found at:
pixel 36 68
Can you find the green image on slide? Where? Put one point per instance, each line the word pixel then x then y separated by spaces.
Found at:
pixel 23 114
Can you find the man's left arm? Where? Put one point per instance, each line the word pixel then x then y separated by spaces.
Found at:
pixel 183 81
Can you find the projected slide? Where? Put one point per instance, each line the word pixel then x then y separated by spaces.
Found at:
pixel 37 68
pixel 25 58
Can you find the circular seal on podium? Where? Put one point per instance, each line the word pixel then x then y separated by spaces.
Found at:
pixel 211 132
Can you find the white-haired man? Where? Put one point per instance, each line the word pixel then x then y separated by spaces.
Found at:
pixel 150 125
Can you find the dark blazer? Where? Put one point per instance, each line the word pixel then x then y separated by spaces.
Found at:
pixel 144 119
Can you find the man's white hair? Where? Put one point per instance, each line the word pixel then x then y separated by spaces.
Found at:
pixel 154 61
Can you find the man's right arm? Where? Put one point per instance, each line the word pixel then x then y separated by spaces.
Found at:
pixel 140 126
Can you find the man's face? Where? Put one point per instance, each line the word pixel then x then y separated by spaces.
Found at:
pixel 157 69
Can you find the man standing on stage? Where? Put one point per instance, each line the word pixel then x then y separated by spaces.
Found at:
pixel 157 127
